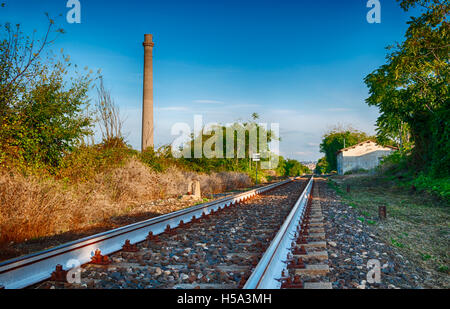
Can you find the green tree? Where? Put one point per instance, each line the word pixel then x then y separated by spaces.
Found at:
pixel 336 139
pixel 294 168
pixel 322 166
pixel 281 168
pixel 246 137
pixel 42 106
pixel 412 89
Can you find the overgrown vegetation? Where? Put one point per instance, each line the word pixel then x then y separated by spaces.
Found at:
pixel 397 168
pixel 34 207
pixel 42 109
pixel 417 223
pixel 412 93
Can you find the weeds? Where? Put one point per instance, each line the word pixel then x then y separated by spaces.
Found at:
pixel 425 257
pixel 34 207
pixel 443 269
pixel 397 243
pixel 417 223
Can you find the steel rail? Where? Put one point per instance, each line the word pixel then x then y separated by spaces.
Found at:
pixel 31 269
pixel 268 272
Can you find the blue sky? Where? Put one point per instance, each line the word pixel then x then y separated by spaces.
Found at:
pixel 297 63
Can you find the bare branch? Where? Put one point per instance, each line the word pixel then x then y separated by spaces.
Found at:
pixel 109 116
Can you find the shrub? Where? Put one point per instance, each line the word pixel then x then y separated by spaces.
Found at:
pixel 437 186
pixel 42 112
pixel 33 207
pixel 85 162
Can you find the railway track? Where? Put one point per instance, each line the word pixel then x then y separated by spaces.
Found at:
pixel 297 257
pixel 244 241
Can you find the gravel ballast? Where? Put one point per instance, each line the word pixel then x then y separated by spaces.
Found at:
pixel 219 252
pixel 352 244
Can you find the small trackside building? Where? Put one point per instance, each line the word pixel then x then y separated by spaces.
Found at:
pixel 364 156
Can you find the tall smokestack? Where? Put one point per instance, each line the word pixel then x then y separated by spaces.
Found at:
pixel 147 113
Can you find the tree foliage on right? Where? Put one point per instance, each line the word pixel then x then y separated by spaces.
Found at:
pixel 411 90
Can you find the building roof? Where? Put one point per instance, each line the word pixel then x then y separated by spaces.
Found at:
pixel 362 144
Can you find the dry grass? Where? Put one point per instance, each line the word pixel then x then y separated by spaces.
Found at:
pixel 32 208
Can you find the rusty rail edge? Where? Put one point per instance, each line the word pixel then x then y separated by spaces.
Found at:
pixel 270 269
pixel 34 268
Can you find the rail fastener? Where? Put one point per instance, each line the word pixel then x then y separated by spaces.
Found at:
pixel 304 233
pixel 302 241
pixel 153 238
pixel 99 259
pixel 296 264
pixel 299 251
pixel 289 284
pixel 170 231
pixel 59 275
pixel 128 247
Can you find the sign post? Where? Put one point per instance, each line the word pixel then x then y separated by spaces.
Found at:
pixel 256 158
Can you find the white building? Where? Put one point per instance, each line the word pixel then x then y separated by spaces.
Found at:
pixel 364 156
